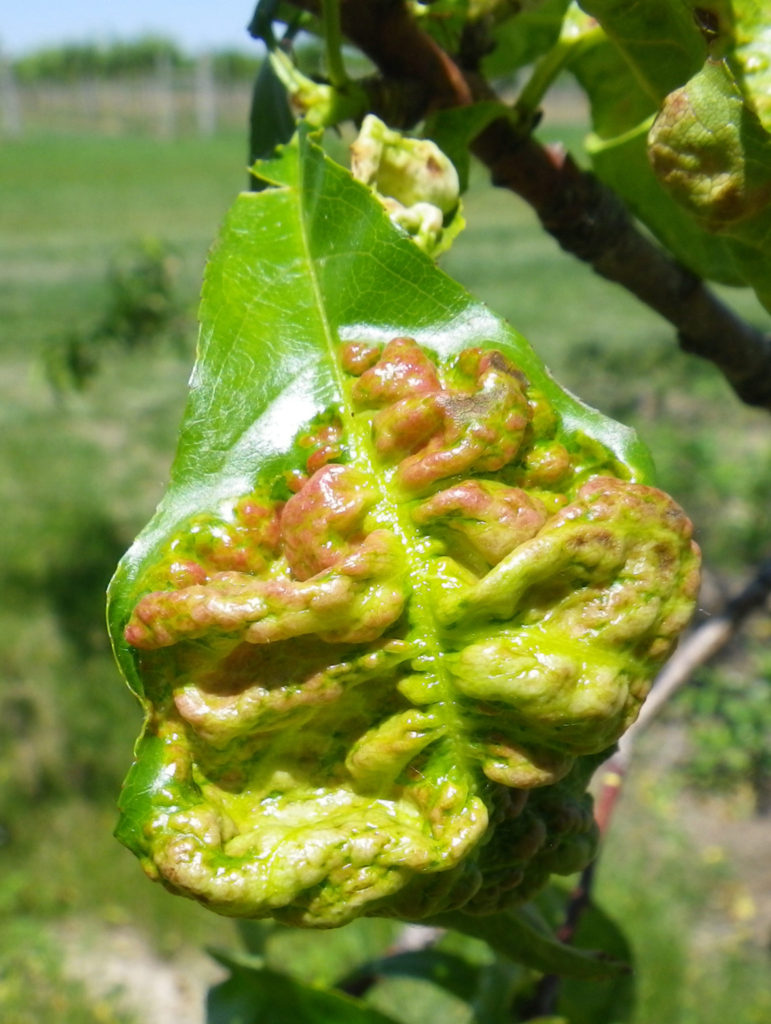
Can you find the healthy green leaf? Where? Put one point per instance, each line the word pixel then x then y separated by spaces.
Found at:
pixel 446 970
pixel 522 34
pixel 610 1000
pixel 751 56
pixel 264 996
pixel 255 936
pixel 401 593
pixel 660 40
pixel 500 982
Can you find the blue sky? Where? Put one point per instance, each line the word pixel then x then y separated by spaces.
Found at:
pixel 196 25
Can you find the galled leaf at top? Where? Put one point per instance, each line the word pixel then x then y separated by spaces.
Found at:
pixel 623 105
pixel 414 180
pixel 711 153
pixel 696 75
pixel 383 637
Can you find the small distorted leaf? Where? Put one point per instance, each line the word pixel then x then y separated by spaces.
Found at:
pixel 402 593
pixel 698 73
pixel 415 181
pixel 710 151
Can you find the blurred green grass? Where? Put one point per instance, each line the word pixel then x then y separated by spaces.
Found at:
pixel 83 471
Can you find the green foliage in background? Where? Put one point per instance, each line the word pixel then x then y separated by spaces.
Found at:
pixel 35 988
pixel 730 725
pixel 74 62
pixel 141 307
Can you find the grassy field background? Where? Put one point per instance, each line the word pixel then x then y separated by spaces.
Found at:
pixel 82 471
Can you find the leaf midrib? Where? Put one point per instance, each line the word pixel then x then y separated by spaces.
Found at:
pixel 390 511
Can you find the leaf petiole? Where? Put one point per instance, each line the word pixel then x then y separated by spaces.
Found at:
pixel 571 43
pixel 333 42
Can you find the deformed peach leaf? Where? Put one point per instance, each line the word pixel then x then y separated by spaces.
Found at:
pixel 712 154
pixel 699 72
pixel 402 592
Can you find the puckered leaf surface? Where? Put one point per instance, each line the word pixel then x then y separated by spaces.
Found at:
pixel 401 593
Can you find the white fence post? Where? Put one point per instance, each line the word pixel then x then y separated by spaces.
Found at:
pixel 164 77
pixel 10 103
pixel 205 95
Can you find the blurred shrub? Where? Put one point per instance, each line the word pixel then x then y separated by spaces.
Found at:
pixel 74 61
pixel 729 739
pixel 234 66
pixel 141 307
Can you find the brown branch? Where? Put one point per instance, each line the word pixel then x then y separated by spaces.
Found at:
pixel 591 222
pixel 585 217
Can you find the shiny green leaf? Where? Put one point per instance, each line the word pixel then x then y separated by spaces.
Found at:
pixel 659 39
pixel 751 54
pixel 521 37
pixel 270 119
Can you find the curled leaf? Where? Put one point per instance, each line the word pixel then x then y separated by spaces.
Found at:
pixel 414 180
pixel 710 152
pixel 402 593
